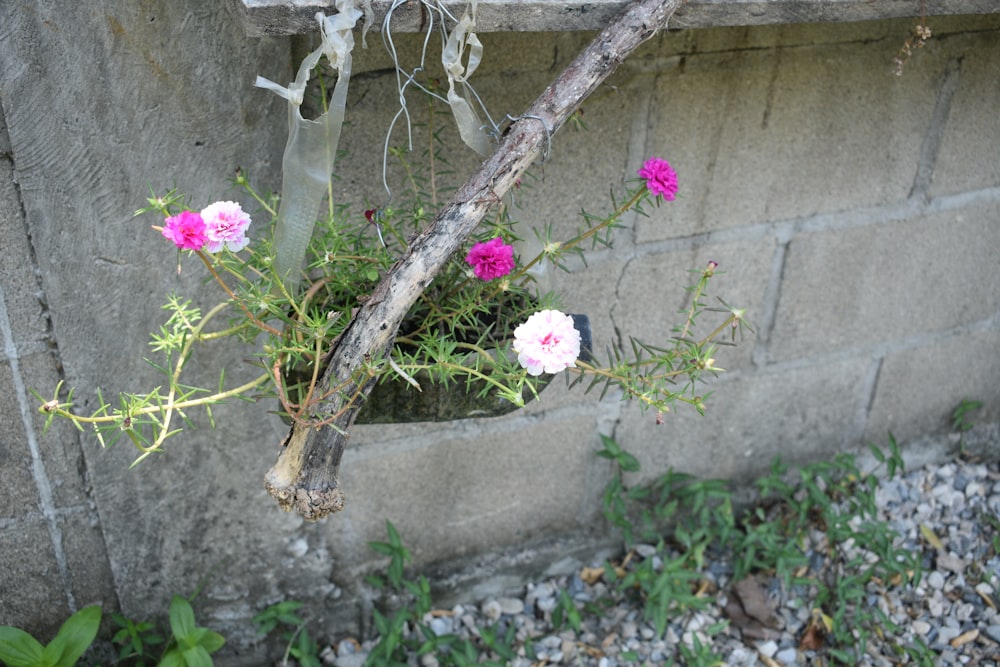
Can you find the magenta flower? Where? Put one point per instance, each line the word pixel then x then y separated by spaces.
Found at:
pixel 547 342
pixel 186 230
pixel 225 226
pixel 661 179
pixel 492 259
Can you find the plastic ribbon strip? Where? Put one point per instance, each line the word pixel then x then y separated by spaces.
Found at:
pixel 309 156
pixel 470 127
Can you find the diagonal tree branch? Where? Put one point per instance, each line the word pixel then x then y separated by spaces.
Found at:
pixel 305 476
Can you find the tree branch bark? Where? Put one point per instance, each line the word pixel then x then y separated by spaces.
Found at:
pixel 305 476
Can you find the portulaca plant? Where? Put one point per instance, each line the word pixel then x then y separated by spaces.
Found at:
pixel 482 325
pixel 481 319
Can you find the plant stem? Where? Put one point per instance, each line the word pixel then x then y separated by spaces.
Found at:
pixel 180 405
pixel 250 316
pixel 636 197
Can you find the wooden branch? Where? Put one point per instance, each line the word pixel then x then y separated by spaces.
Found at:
pixel 305 476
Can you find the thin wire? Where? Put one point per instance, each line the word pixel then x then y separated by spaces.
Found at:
pixel 548 134
pixel 494 129
pixel 405 79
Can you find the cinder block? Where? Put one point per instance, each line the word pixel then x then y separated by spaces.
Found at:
pixel 771 134
pixel 867 286
pixel 4 138
pixel 373 104
pixel 594 291
pixel 461 494
pixel 556 398
pixel 541 52
pixel 553 193
pixel 535 52
pixel 652 292
pixel 919 387
pixel 886 34
pixel 59 447
pixel 202 495
pixel 21 292
pixel 18 494
pixel 572 180
pixel 33 594
pixel 87 565
pixel 799 413
pixel 969 155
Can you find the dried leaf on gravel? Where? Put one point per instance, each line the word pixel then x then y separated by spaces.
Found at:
pixel 932 539
pixel 814 634
pixel 591 575
pixel 750 609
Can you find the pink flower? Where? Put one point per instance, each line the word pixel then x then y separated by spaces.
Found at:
pixel 225 226
pixel 492 259
pixel 661 179
pixel 186 230
pixel 547 342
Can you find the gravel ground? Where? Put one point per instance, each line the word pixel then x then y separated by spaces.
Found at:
pixel 953 611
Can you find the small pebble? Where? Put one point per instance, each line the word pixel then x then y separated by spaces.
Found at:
pixel 546 604
pixel 441 625
pixel 975 489
pixel 491 610
pixel 787 657
pixel 353 660
pixel 298 547
pixel 768 648
pixel 742 657
pixel 951 563
pixel 963 612
pixel 946 634
pixel 645 550
pixel 511 606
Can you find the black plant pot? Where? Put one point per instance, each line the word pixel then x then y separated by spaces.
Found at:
pixel 395 401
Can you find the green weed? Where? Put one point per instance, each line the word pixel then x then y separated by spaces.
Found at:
pixel 688 518
pixel 77 633
pixel 188 645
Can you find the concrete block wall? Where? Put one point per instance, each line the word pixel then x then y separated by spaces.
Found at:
pixel 856 215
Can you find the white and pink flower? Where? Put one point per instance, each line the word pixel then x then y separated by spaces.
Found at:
pixel 225 226
pixel 547 342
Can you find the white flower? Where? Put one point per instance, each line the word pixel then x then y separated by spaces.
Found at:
pixel 547 342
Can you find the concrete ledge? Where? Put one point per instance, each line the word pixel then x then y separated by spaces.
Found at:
pixel 293 17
